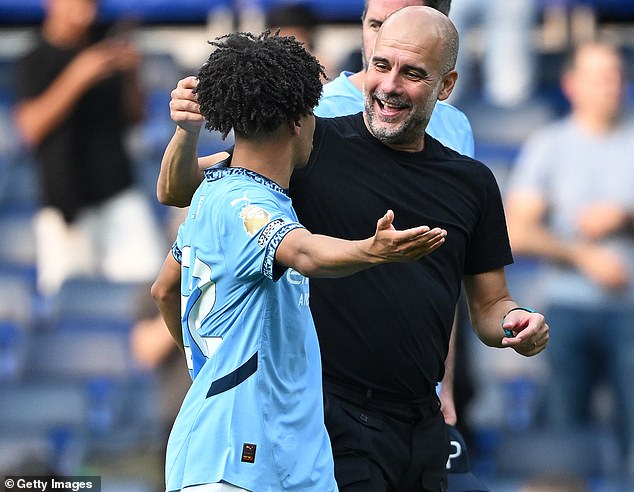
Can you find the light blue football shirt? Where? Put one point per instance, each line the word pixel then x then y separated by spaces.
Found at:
pixel 253 416
pixel 448 124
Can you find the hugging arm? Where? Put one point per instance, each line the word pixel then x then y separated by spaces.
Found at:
pixel 181 168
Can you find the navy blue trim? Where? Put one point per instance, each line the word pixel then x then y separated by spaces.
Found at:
pixel 271 249
pixel 177 253
pixel 234 378
pixel 215 173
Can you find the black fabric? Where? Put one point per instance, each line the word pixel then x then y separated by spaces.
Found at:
pixel 388 327
pixel 82 162
pixel 385 446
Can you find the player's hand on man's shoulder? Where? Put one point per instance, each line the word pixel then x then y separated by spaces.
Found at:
pixel 184 107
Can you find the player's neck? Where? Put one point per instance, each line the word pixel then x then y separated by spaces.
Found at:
pixel 269 159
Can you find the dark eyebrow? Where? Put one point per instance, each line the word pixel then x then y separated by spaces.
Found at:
pixel 379 59
pixel 422 71
pixel 372 19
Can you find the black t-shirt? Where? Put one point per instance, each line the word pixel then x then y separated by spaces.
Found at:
pixel 388 327
pixel 83 160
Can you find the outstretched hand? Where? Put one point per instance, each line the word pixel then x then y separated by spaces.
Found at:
pixel 391 245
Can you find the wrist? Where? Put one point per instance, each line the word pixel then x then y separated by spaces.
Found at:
pixel 509 333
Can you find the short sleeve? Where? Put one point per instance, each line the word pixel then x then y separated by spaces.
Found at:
pixel 177 247
pixel 489 248
pixel 255 224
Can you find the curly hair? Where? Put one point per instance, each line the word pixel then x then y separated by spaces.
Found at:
pixel 253 84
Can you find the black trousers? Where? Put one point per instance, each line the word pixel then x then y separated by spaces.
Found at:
pixel 384 445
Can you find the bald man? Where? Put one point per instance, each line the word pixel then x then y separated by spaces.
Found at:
pixel 384 333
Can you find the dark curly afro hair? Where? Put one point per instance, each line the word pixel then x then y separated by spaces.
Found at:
pixel 253 84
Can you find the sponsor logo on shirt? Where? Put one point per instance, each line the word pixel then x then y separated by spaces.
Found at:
pixel 248 453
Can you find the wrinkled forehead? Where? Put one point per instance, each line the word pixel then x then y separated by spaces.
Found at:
pixel 408 39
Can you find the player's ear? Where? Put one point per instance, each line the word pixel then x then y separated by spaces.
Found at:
pixel 296 127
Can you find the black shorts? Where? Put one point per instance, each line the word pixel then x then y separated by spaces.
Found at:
pixel 386 446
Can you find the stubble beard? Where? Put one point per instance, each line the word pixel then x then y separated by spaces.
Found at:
pixel 407 132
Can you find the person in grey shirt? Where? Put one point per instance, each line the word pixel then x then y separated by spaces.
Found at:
pixel 570 202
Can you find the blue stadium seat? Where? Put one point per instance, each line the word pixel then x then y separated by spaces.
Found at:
pixel 325 10
pixel 36 406
pixel 13 337
pixel 146 11
pixel 119 402
pixel 584 452
pixel 98 298
pixel 16 297
pixel 80 349
pixel 17 238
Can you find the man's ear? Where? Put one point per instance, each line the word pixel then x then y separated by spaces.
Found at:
pixel 448 83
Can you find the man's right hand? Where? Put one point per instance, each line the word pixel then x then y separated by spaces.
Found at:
pixel 184 107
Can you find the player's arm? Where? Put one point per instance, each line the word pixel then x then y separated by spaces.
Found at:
pixel 181 168
pixel 167 295
pixel 314 255
pixel 490 303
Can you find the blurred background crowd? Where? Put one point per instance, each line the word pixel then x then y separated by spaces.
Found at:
pixel 89 378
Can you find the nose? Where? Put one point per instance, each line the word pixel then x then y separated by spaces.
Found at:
pixel 390 82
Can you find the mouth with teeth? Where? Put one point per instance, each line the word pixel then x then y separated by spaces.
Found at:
pixel 390 107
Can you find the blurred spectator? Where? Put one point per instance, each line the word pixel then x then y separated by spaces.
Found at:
pixel 294 19
pixel 571 202
pixel 298 20
pixel 555 483
pixel 76 98
pixel 508 58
